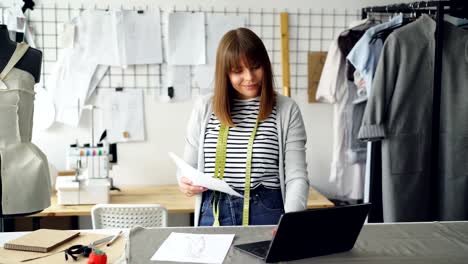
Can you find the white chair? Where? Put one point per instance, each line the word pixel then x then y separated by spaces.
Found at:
pixel 128 215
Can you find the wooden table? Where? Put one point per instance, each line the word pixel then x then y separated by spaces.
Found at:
pixel 167 195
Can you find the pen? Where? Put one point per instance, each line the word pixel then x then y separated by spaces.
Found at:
pixel 114 238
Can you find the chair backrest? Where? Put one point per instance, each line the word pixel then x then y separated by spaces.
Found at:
pixel 128 215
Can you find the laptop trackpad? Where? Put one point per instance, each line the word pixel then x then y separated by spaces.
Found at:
pixel 258 249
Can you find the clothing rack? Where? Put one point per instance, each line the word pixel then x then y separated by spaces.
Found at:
pixel 439 8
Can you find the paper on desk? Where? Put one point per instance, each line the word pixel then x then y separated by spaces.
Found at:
pixel 201 179
pixel 199 248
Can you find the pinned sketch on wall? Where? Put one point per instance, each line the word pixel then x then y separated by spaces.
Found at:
pixel 141 37
pixel 66 37
pixel 123 115
pixel 204 78
pixel 69 86
pixel 120 37
pixel 178 77
pixel 101 39
pixel 96 78
pixel 69 82
pixel 217 26
pixel 186 44
pixel 98 36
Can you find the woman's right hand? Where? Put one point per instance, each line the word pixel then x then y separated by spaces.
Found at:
pixel 185 186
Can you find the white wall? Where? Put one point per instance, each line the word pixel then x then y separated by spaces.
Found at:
pixel 147 163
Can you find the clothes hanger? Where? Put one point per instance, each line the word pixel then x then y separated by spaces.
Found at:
pixel 383 34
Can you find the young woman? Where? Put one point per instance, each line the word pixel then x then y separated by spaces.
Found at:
pixel 248 136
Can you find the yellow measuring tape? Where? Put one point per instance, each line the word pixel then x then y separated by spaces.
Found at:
pixel 220 164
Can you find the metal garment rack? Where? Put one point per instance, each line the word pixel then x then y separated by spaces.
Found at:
pixel 439 8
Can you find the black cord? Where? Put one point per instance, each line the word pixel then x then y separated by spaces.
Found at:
pixel 76 250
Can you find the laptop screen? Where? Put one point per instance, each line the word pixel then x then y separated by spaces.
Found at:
pixel 315 232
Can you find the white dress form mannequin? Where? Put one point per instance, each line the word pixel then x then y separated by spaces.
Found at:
pixel 24 174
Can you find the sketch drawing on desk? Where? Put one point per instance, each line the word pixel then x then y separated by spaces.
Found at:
pixel 195 246
pixel 198 248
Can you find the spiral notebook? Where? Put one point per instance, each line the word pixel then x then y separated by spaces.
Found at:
pixel 42 240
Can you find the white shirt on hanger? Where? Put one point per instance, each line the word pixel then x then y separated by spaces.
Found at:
pixel 333 89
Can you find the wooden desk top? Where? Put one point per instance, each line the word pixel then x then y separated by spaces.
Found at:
pixel 167 195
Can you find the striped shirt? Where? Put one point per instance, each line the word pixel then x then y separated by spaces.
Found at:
pixel 265 153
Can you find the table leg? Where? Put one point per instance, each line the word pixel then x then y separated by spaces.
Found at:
pixel 75 223
pixel 192 216
pixel 8 224
pixel 36 223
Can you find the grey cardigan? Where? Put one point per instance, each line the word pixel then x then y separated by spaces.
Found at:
pixel 292 155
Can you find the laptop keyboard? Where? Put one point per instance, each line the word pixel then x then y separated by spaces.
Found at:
pixel 260 248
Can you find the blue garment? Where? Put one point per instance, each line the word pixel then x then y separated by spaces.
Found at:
pixel 365 55
pixel 266 207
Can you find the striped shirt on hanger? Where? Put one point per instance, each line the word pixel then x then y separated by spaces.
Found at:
pixel 265 148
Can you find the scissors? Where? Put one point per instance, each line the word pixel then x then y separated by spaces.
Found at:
pixel 77 250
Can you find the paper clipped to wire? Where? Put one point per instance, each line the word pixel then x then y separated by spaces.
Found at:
pixel 201 179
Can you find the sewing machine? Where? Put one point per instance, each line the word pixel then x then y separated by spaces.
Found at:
pixel 91 183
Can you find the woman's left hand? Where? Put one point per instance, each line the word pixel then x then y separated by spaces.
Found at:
pixel 185 186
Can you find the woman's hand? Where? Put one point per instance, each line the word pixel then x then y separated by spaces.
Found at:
pixel 185 186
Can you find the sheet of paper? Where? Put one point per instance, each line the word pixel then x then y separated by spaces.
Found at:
pixel 142 37
pixel 204 77
pixel 66 38
pixel 197 248
pixel 201 179
pixel 98 36
pixel 217 26
pixel 70 82
pixel 95 80
pixel 123 115
pixel 178 77
pixel 101 38
pixel 69 86
pixel 186 39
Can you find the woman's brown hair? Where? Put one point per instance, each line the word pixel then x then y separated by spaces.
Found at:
pixel 241 45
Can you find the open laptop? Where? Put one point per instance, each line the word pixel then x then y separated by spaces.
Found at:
pixel 311 233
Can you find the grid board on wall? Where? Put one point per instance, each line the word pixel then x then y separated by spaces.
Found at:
pixel 309 30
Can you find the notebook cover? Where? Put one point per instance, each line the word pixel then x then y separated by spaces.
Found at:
pixel 42 240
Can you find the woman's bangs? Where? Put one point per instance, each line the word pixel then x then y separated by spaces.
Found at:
pixel 237 54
